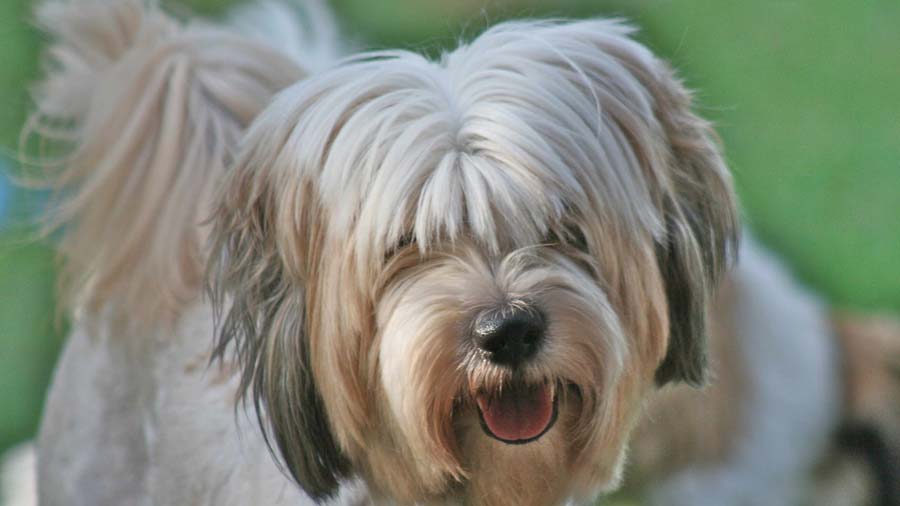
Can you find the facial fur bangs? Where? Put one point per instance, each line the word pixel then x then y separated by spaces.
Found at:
pixel 499 140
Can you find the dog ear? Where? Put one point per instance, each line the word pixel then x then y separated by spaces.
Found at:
pixel 262 290
pixel 701 227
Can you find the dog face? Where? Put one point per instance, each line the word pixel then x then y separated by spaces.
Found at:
pixel 457 279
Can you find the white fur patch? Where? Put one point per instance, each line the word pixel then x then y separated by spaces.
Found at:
pixel 17 476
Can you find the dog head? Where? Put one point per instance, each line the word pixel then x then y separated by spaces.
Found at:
pixel 458 278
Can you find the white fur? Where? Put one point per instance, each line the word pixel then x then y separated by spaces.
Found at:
pixel 475 172
pixel 361 225
pixel 368 215
pixel 305 30
pixel 17 476
pixel 161 421
pixel 793 396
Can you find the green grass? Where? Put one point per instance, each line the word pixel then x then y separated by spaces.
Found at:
pixel 28 331
pixel 805 95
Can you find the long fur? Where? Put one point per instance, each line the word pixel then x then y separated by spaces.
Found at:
pixel 534 130
pixel 135 122
pixel 370 213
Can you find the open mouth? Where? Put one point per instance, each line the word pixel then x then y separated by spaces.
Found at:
pixel 518 414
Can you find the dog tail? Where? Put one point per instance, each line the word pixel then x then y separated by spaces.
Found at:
pixel 136 120
pixel 871 425
pixel 305 30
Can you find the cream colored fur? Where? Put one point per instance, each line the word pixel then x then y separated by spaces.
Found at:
pixel 135 121
pixel 353 226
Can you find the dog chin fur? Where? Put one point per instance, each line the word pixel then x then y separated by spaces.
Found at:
pixel 353 224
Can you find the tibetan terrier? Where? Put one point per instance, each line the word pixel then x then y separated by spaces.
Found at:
pixel 433 282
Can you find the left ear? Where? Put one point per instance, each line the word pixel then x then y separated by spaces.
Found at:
pixel 700 212
pixel 259 278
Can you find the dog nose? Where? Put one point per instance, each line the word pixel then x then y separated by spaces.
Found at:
pixel 510 337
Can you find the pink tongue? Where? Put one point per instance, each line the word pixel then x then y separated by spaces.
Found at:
pixel 519 413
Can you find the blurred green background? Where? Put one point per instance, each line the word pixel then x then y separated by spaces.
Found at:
pixel 805 94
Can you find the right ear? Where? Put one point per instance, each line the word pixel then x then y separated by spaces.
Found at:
pixel 260 285
pixel 702 228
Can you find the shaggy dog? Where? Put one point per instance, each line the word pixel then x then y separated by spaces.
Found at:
pixel 449 282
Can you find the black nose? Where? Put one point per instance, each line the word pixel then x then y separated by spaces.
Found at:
pixel 510 336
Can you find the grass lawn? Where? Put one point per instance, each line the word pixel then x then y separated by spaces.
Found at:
pixel 805 95
pixel 28 331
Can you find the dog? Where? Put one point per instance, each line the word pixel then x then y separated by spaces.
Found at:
pixel 436 282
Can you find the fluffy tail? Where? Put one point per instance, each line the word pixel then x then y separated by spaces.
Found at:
pixel 137 118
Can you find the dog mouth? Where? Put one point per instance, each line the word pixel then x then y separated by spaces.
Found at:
pixel 518 413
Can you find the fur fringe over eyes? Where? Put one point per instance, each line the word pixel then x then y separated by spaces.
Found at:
pixel 530 126
pixel 135 124
pixel 531 130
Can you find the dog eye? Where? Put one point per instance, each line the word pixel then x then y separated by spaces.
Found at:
pixel 404 242
pixel 576 238
pixel 570 235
